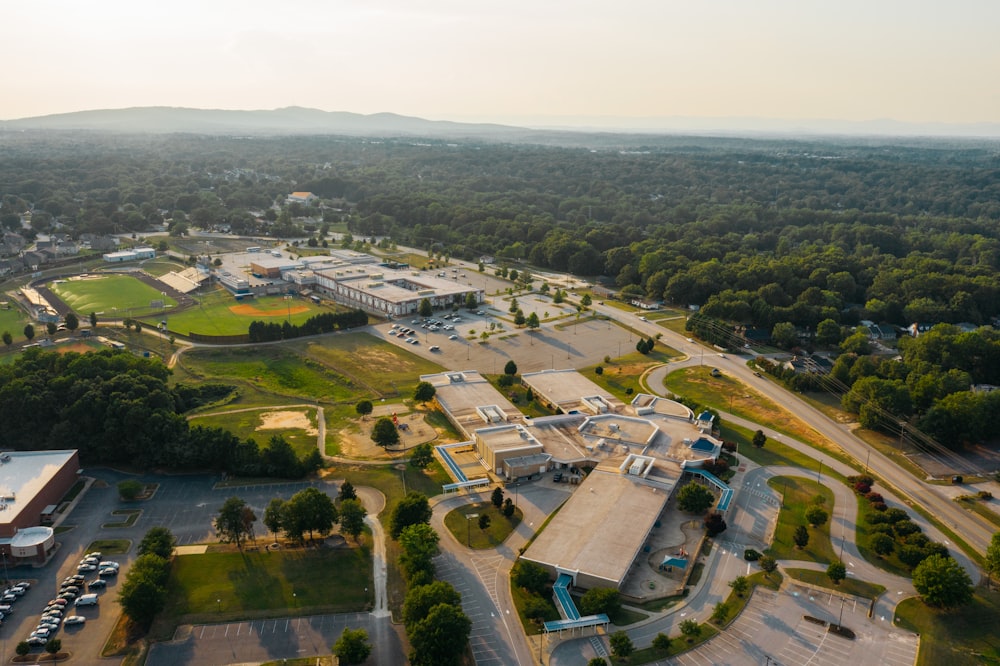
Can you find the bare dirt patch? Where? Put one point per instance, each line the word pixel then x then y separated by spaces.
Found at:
pixel 287 420
pixel 357 443
pixel 246 310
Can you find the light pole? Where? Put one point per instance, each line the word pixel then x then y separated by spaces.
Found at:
pixel 218 605
pixel 515 497
pixel 468 525
pixel 819 473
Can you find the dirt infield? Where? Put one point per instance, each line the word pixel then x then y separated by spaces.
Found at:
pixel 245 310
pixel 285 421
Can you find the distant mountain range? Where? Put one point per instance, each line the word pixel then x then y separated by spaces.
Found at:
pixel 298 120
pixel 289 120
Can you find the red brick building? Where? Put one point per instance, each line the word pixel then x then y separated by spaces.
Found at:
pixel 30 483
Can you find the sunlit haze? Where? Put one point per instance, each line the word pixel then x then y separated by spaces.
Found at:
pixel 517 62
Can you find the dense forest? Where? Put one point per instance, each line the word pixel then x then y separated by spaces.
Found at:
pixel 796 238
pixel 118 409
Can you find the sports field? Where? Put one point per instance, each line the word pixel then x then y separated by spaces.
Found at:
pixel 113 295
pixel 218 313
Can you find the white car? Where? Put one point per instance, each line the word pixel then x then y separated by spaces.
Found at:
pixel 74 619
pixel 41 633
pixel 108 571
pixel 643 319
pixel 453 337
pixel 86 568
pixel 109 563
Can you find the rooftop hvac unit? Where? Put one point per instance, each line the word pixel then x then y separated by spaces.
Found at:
pixel 636 468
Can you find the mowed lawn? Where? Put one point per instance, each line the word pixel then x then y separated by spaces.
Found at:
pixel 14 320
pixel 247 423
pixel 219 313
pixel 250 584
pixel 113 295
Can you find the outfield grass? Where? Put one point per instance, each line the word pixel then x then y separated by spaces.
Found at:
pixel 797 496
pixel 247 424
pixel 272 369
pixel 850 586
pixel 114 295
pixel 163 265
pixel 961 636
pixel 264 583
pixel 467 530
pixel 215 315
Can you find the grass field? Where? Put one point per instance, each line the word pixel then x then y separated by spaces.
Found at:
pixel 798 494
pixel 247 424
pixel 218 313
pixel 467 530
pixel 162 266
pixel 380 366
pixel 624 373
pixel 275 370
pixel 850 586
pixel 14 320
pixel 961 636
pixel 262 583
pixel 113 295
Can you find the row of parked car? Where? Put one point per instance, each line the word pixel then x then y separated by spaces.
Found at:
pixel 74 590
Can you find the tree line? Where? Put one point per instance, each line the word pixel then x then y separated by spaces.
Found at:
pixel 117 408
pixel 327 322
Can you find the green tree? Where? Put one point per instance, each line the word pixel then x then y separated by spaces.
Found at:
pixel 519 318
pixel 740 585
pixel 231 524
pixel 141 597
pixel 53 646
pixel 768 564
pixel 352 518
pixel 529 576
pixel 836 572
pixel 422 455
pixel 597 661
pixel 8 339
pixel 93 320
pixel 129 489
pixel 419 544
pixel 690 629
pixel 410 510
pixel 424 392
pixel 385 433
pixel 352 647
pixel 508 508
pixel 510 368
pixel 992 562
pixel 695 498
pixel 51 328
pixel 157 541
pixel 29 332
pixel 309 510
pixel 346 492
pixel 422 598
pixel 661 642
pixel 621 644
pixel 497 497
pixel 425 309
pixel 274 516
pixel 364 408
pixel 586 300
pixel 532 321
pixel 828 333
pixel 942 582
pixel 882 544
pixel 600 600
pixel 440 637
pixel 816 515
pixel 22 649
pixel 470 301
pixel 801 537
pixel 783 335
pixel 72 321
pixel 719 612
pixel 484 521
pixel 759 439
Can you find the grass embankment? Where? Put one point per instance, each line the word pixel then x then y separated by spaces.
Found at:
pixel 798 495
pixel 621 376
pixel 234 585
pixel 963 636
pixel 849 586
pixel 466 530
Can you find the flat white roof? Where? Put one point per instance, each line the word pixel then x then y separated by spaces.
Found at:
pixel 23 474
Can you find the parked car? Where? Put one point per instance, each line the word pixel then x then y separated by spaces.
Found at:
pixel 36 641
pixel 41 633
pixel 6 609
pixel 97 583
pixel 108 563
pixel 87 600
pixel 74 619
pixel 108 571
pixel 85 568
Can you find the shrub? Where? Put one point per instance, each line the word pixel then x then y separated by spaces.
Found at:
pixel 751 555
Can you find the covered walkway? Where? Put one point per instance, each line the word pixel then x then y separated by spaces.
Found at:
pixel 727 492
pixel 569 610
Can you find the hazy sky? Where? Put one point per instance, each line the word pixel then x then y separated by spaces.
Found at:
pixel 910 60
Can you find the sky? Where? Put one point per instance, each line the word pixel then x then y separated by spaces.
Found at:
pixel 517 61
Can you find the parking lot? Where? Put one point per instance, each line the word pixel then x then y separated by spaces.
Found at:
pixel 184 504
